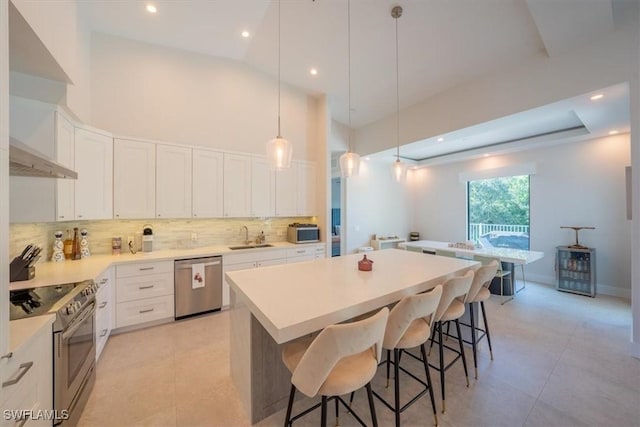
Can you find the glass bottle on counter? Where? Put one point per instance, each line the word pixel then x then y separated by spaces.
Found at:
pixel 68 246
pixel 76 253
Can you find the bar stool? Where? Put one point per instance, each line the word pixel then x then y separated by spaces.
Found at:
pixel 409 326
pixel 485 260
pixel 341 359
pixel 479 293
pixel 451 308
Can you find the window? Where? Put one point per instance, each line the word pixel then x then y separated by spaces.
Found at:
pixel 498 211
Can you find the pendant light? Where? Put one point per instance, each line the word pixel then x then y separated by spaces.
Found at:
pixel 279 150
pixel 349 161
pixel 399 169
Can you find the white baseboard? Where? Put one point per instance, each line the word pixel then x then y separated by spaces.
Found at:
pixel 613 291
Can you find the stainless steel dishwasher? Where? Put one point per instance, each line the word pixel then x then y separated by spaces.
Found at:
pixel 198 285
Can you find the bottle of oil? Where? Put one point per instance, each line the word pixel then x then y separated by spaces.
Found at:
pixel 76 253
pixel 68 246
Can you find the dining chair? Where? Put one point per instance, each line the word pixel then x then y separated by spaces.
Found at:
pixel 341 359
pixel 450 309
pixel 479 293
pixel 500 273
pixel 409 326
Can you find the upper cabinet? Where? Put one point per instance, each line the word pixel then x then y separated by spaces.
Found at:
pixel 173 181
pixel 237 185
pixel 65 155
pixel 295 190
pixel 208 178
pixel 94 164
pixel 263 188
pixel 306 181
pixel 134 179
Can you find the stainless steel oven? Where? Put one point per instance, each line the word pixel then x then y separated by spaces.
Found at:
pixel 74 348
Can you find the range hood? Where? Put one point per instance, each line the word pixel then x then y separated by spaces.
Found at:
pixel 25 161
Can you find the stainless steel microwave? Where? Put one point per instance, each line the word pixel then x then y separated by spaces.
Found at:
pixel 303 233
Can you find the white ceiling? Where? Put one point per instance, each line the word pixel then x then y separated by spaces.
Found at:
pixel 442 43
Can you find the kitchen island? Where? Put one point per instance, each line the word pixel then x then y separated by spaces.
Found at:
pixel 273 305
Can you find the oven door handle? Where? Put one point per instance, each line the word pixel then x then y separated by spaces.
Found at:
pixel 78 322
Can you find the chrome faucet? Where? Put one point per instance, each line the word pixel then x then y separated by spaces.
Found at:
pixel 246 235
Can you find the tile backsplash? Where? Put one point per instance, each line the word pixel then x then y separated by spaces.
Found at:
pixel 167 233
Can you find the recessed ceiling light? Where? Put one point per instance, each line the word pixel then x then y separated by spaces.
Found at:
pixel 596 97
pixel 313 72
pixel 440 139
pixel 367 158
pixel 245 34
pixel 151 8
pixel 614 132
pixel 486 155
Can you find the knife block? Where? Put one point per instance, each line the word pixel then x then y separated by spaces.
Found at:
pixel 19 270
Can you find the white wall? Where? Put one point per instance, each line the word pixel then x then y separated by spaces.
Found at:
pixel 165 94
pixel 376 204
pixel 580 183
pixel 78 95
pixel 4 172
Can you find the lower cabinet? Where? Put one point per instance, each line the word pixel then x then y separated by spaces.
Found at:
pixel 105 309
pixel 243 261
pixel 144 293
pixel 308 252
pixel 27 380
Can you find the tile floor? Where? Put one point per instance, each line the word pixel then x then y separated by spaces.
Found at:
pixel 560 360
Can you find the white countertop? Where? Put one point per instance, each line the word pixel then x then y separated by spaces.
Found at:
pixel 296 299
pixel 516 256
pixel 23 329
pixel 71 271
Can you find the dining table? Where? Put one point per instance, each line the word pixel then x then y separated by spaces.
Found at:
pixel 273 305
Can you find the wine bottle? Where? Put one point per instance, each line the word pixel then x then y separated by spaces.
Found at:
pixel 68 246
pixel 76 254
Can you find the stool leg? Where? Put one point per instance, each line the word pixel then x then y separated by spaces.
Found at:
pixel 473 340
pixel 351 399
pixel 287 421
pixel 372 408
pixel 396 384
pixel 441 349
pixel 337 413
pixel 433 338
pixel 388 366
pixel 486 328
pixel 464 359
pixel 323 412
pixel 426 371
pixel 524 281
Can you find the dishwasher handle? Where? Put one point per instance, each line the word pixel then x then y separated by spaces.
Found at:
pixel 188 266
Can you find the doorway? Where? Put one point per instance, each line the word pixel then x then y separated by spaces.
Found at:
pixel 336 213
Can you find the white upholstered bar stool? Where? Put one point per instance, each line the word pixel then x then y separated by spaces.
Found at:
pixel 501 274
pixel 341 359
pixel 479 293
pixel 409 326
pixel 450 309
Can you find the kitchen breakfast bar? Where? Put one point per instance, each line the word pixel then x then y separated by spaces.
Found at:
pixel 276 304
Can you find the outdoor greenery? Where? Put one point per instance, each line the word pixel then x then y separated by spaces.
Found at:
pixel 499 200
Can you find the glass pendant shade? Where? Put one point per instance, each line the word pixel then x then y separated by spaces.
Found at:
pixel 399 171
pixel 349 164
pixel 279 152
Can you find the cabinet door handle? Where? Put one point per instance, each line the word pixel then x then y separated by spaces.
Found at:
pixel 103 281
pixel 149 310
pixel 79 216
pixel 61 217
pixel 104 332
pixel 300 252
pixel 24 368
pixel 145 287
pixel 146 268
pixel 103 305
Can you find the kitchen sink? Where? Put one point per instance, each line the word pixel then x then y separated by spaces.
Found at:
pixel 260 245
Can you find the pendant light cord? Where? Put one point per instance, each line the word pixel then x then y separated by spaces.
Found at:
pixel 397 97
pixel 279 136
pixel 349 63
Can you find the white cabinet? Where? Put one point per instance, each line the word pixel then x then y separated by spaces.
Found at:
pixel 252 259
pixel 237 185
pixel 263 187
pixel 65 154
pixel 296 190
pixel 173 181
pixel 305 252
pixel 144 293
pixel 94 164
pixel 208 179
pixel 105 309
pixel 27 377
pixel 134 179
pixel 306 181
pixel 286 191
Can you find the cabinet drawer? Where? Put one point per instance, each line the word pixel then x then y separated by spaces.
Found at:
pixel 144 269
pixel 260 255
pixel 30 353
pixel 146 310
pixel 154 285
pixel 301 251
pixel 102 299
pixel 300 259
pixel 24 398
pixel 103 329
